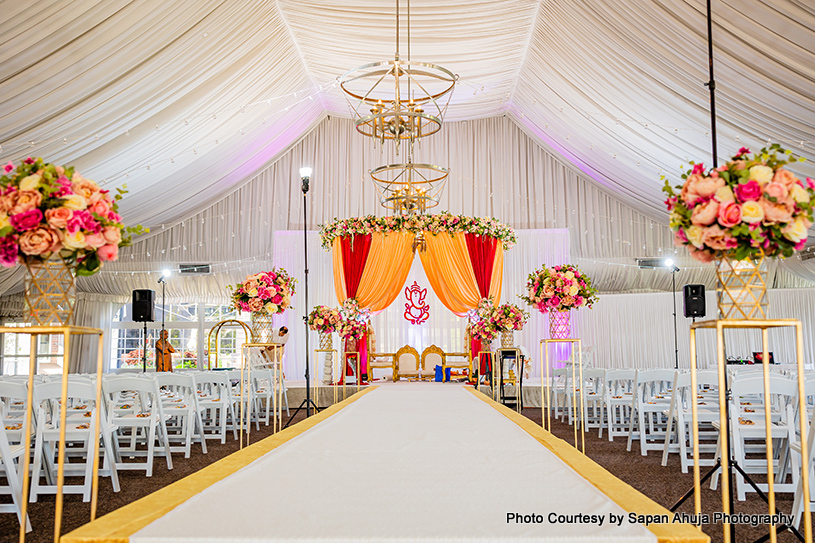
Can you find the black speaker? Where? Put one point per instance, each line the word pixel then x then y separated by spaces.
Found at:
pixel 144 305
pixel 694 297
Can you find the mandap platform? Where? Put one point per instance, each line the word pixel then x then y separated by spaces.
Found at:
pixel 399 462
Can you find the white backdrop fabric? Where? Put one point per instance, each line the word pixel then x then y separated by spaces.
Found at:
pixel 420 445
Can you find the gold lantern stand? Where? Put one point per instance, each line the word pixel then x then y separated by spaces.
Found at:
pixel 67 332
pixel 725 460
pixel 216 330
pixel 546 388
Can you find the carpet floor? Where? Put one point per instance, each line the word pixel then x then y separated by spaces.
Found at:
pixel 664 485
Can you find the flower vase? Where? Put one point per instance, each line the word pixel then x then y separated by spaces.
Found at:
pixel 559 324
pixel 507 339
pixel 326 344
pixel 741 292
pixel 262 327
pixel 50 292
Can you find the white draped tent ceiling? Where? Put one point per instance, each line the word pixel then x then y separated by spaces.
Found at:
pixel 565 115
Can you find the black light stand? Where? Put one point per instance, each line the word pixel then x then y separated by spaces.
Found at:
pixel 731 461
pixel 163 307
pixel 308 402
pixel 144 349
pixel 675 269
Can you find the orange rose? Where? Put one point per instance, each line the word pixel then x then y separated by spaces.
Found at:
pixel 777 212
pixel 705 214
pixel 58 217
pixel 112 235
pixel 39 240
pixel 704 186
pixel 84 187
pixel 26 200
pixel 785 177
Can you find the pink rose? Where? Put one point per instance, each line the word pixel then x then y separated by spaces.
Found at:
pixel 776 190
pixel 244 306
pixel 715 238
pixel 38 241
pixel 554 301
pixel 112 235
pixel 750 191
pixel 26 200
pixel 8 167
pixel 101 208
pixel 26 220
pixel 255 304
pixel 263 293
pixel 277 299
pixel 729 214
pixel 58 217
pixel 785 177
pixel 704 186
pixel 680 238
pixel 107 252
pixel 95 240
pixel 777 212
pixel 8 251
pixel 705 214
pixel 701 256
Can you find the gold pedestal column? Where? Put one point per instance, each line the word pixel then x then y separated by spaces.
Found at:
pixel 67 332
pixel 545 385
pixel 764 325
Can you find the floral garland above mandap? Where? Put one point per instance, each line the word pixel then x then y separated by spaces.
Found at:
pixel 324 319
pixel 48 210
pixel 265 292
pixel 748 206
pixel 559 288
pixel 434 224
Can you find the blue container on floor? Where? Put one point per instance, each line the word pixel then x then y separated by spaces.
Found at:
pixel 439 378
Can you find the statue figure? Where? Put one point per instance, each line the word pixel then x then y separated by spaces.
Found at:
pixel 164 359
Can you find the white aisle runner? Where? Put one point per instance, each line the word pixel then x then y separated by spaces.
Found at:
pixel 406 462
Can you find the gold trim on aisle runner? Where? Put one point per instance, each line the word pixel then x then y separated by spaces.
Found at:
pixel 616 490
pixel 66 332
pixel 119 525
pixel 578 418
pixel 764 325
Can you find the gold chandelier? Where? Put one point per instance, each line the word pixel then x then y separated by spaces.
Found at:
pixel 401 101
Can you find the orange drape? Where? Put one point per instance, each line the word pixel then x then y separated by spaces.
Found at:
pixel 339 273
pixel 497 273
pixel 446 262
pixel 388 265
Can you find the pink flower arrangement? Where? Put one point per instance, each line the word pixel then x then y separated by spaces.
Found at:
pixel 265 292
pixel 482 324
pixel 324 319
pixel 509 317
pixel 48 210
pixel 559 288
pixel 483 330
pixel 749 205
pixel 352 329
pixel 444 222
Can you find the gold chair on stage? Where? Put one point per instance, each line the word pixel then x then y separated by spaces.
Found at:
pixel 378 360
pixel 431 357
pixel 406 363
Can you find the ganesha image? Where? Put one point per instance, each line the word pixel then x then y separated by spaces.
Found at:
pixel 417 310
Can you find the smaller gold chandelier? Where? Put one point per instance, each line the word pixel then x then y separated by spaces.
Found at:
pixel 409 188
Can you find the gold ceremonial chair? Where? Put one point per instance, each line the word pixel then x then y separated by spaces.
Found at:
pixel 431 357
pixel 378 360
pixel 406 363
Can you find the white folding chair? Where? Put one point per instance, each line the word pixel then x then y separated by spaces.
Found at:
pixel 618 391
pixel 651 400
pixel 144 417
pixel 214 399
pixel 679 433
pixel 180 404
pixel 9 459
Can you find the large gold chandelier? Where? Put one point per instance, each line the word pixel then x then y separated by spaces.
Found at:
pixel 401 101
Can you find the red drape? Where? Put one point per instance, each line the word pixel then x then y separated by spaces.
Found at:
pixel 354 255
pixel 482 258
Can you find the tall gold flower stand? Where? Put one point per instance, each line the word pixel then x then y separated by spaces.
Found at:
pixel 277 385
pixel 67 333
pixel 764 325
pixel 496 394
pixel 547 387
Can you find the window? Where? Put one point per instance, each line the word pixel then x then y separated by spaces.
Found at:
pixel 17 349
pixel 188 327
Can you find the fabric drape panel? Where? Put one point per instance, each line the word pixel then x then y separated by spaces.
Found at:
pixel 355 251
pixel 497 273
pixel 482 253
pixel 339 273
pixel 446 262
pixel 389 261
